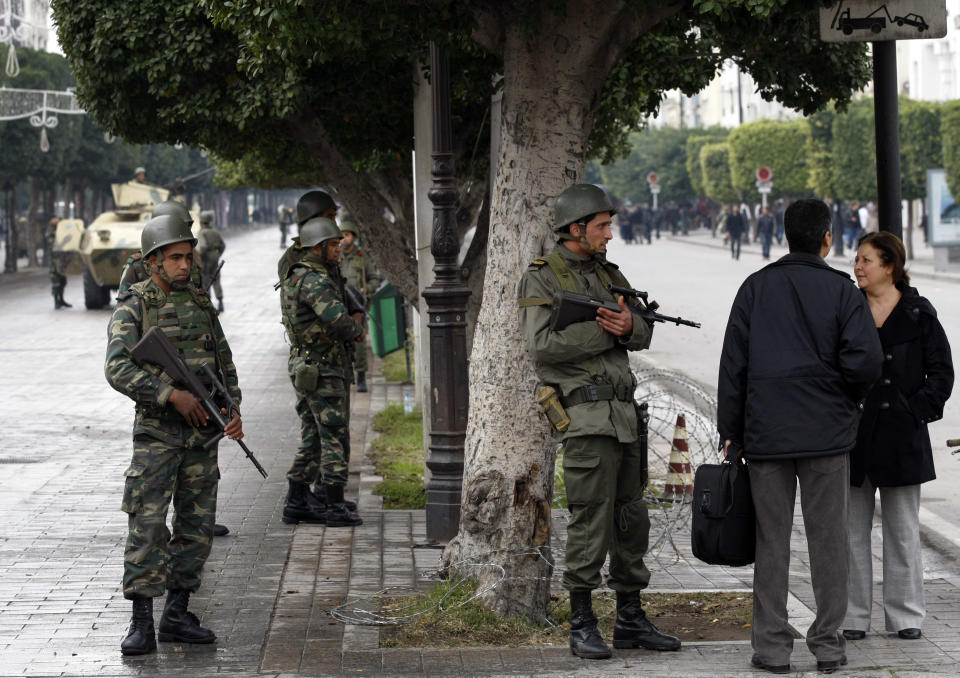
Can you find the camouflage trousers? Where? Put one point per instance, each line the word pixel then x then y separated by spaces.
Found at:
pixel 58 282
pixel 208 270
pixel 324 452
pixel 604 481
pixel 155 560
pixel 361 361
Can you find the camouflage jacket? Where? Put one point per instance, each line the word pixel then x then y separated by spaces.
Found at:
pixel 134 271
pixel 210 245
pixel 359 270
pixel 189 321
pixel 583 354
pixel 315 316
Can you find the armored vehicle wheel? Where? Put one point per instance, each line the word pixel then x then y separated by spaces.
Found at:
pixel 94 296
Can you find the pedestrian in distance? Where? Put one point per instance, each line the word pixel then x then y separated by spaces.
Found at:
pixel 893 456
pixel 286 219
pixel 171 461
pixel 318 326
pixel 588 367
pixel 800 353
pixel 360 272
pixel 736 225
pixel 766 225
pixel 210 247
pixel 58 281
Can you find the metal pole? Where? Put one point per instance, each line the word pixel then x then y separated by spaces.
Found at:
pixel 447 320
pixel 888 136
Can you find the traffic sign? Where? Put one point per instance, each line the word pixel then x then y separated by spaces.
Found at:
pixel 764 174
pixel 874 20
pixel 652 178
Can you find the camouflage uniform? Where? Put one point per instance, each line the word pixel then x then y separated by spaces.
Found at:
pixel 134 271
pixel 318 327
pixel 359 271
pixel 58 281
pixel 169 461
pixel 210 246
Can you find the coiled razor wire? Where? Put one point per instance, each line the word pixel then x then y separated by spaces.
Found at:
pixel 667 393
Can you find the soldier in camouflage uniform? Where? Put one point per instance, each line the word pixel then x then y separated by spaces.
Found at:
pixel 58 281
pixel 134 270
pixel 360 272
pixel 318 326
pixel 210 246
pixel 170 429
pixel 603 454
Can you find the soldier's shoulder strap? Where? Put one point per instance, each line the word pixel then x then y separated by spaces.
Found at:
pixel 568 283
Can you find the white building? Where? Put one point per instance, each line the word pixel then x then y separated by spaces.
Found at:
pixel 24 23
pixel 929 70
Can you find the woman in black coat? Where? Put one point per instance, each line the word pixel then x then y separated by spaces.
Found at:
pixel 893 453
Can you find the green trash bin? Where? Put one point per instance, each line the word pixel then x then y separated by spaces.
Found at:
pixel 388 322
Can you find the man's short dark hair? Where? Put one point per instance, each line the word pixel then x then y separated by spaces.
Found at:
pixel 805 223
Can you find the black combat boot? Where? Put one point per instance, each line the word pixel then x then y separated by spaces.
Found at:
pixel 140 638
pixel 63 302
pixel 179 624
pixel 220 530
pixel 338 513
pixel 633 629
pixel 57 301
pixel 317 499
pixel 296 509
pixel 585 639
pixel 361 382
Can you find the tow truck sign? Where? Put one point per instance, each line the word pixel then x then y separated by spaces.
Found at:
pixel 873 20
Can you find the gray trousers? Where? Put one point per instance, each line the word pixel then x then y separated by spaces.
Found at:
pixel 824 486
pixel 903 605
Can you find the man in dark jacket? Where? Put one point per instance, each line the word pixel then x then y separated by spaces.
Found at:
pixel 799 355
pixel 736 227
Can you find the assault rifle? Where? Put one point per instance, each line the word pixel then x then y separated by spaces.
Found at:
pixel 156 348
pixel 213 279
pixel 954 442
pixel 567 308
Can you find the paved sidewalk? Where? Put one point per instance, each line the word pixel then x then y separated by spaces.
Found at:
pixel 269 587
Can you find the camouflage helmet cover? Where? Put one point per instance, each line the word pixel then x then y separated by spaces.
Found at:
pixel 166 229
pixel 579 201
pixel 318 230
pixel 313 204
pixel 175 208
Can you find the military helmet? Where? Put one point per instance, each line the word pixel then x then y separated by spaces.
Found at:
pixel 349 227
pixel 313 204
pixel 579 201
pixel 139 170
pixel 206 217
pixel 175 208
pixel 166 229
pixel 318 230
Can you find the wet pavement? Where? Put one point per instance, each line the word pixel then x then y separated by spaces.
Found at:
pixel 269 588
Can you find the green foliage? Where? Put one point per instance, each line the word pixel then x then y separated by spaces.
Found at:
pixel 397 455
pixel 921 145
pixel 820 152
pixel 854 158
pixel 950 129
pixel 715 168
pixel 781 146
pixel 659 150
pixel 696 141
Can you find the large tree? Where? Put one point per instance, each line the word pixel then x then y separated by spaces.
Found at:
pixel 335 78
pixel 780 146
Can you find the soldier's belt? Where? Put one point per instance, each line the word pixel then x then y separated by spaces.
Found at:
pixel 594 392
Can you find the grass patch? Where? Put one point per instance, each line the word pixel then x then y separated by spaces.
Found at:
pixel 689 616
pixel 394 366
pixel 397 456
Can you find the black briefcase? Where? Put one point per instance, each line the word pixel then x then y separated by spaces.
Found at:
pixel 724 523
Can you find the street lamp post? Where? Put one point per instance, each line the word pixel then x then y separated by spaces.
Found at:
pixel 447 320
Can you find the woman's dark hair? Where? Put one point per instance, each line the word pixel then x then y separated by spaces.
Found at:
pixel 891 252
pixel 805 223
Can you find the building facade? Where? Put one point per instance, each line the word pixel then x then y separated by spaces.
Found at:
pixel 23 23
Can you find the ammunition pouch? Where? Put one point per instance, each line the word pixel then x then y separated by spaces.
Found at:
pixel 549 401
pixel 305 377
pixel 593 392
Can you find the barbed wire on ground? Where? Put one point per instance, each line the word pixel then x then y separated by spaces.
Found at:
pixel 667 393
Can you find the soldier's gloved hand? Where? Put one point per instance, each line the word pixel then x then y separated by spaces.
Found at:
pixel 619 324
pixel 234 429
pixel 191 408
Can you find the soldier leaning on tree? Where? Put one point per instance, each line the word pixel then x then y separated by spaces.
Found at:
pixel 603 457
pixel 359 271
pixel 170 428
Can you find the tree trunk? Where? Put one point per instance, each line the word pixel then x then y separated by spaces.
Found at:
pixel 551 84
pixel 33 218
pixel 909 236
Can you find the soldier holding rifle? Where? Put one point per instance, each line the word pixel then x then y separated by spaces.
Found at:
pixel 587 388
pixel 171 427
